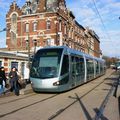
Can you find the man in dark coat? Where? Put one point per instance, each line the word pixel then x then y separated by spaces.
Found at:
pixel 14 81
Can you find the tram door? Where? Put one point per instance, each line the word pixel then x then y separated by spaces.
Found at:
pixel 77 70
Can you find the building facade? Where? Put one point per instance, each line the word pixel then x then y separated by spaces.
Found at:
pixel 41 23
pixel 12 59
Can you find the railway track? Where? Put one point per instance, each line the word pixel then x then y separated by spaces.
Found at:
pixel 13 111
pixel 48 97
pixel 78 99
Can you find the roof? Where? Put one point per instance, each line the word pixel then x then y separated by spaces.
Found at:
pixel 13 55
pixel 70 50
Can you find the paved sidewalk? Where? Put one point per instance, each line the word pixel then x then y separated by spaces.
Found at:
pixel 26 90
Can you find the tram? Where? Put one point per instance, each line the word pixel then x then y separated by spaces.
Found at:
pixel 58 69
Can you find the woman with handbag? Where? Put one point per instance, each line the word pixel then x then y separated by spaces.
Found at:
pixel 14 81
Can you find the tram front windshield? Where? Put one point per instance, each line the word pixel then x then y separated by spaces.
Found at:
pixel 46 63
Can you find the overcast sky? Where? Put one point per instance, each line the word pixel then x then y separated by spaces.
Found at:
pixel 100 15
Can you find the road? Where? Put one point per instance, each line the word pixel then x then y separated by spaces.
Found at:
pixel 90 101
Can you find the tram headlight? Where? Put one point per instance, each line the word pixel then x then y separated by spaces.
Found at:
pixel 61 82
pixel 56 83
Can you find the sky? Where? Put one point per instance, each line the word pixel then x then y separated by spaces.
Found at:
pixel 102 16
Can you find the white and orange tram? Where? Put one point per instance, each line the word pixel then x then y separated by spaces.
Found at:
pixel 58 69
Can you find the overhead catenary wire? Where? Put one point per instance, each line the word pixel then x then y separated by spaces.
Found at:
pixel 102 22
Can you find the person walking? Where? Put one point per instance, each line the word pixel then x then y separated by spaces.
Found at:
pixel 14 81
pixel 2 80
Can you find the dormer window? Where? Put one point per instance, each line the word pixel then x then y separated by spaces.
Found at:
pixel 51 5
pixel 62 5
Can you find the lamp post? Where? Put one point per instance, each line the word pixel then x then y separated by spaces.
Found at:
pixel 28 47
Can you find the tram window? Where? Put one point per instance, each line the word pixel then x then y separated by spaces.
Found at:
pixel 77 65
pixel 73 60
pixel 46 63
pixel 101 67
pixel 97 67
pixel 90 67
pixel 65 65
pixel 80 65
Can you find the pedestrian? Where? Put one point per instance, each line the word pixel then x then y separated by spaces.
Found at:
pixel 2 80
pixel 14 81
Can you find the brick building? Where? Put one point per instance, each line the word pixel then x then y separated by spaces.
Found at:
pixel 47 23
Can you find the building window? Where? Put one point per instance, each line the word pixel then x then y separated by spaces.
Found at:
pixel 60 25
pixel 27 27
pixel 35 26
pixel 13 36
pixel 14 64
pixel 48 25
pixel 65 29
pixel 72 33
pixel 69 33
pixel 48 43
pixel 14 19
pixel 13 26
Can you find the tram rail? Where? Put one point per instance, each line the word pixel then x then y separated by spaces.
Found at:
pixel 77 99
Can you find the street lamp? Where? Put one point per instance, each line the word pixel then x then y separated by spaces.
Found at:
pixel 4 29
pixel 28 47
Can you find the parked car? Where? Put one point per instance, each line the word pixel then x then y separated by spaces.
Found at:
pixel 118 67
pixel 113 66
